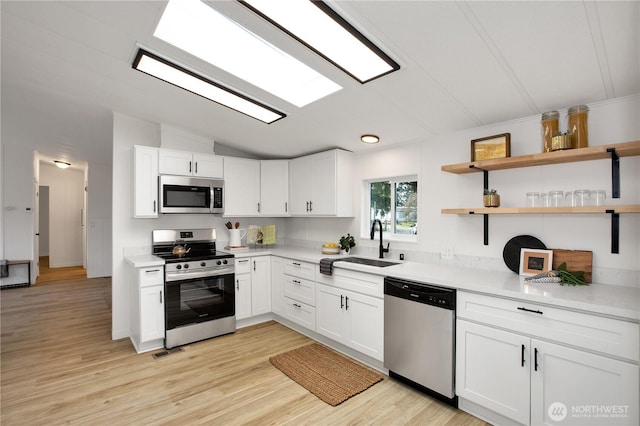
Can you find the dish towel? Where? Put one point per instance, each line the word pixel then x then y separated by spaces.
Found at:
pixel 4 268
pixel 326 265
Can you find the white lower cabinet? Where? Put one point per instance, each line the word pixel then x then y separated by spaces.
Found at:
pixel 147 308
pixel 294 291
pixel 530 379
pixel 353 319
pixel 277 285
pixel 253 286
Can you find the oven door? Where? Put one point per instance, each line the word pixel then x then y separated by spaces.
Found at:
pixel 192 301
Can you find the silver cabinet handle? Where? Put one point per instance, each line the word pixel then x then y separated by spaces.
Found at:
pixel 237 284
pixel 196 167
pixel 310 206
pixel 286 207
pixel 243 261
pixel 297 306
pixel 161 297
pixel 254 265
pixel 154 206
pixel 258 207
pixel 296 281
pixel 148 271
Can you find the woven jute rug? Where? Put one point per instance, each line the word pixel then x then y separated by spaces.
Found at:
pixel 328 375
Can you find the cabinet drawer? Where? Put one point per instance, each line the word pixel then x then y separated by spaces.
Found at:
pixel 243 266
pixel 300 269
pixel 300 313
pixel 605 335
pixel 300 289
pixel 151 276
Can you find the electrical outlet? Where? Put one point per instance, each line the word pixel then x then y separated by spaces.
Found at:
pixel 401 256
pixel 446 253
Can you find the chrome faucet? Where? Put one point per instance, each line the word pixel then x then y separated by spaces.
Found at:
pixel 382 250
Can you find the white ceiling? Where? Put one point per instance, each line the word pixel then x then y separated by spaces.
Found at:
pixel 67 65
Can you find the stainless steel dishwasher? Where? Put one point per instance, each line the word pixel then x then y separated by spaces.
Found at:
pixel 419 336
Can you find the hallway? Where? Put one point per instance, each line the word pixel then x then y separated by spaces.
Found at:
pixel 48 275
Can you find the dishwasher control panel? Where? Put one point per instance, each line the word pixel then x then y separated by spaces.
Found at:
pixel 420 292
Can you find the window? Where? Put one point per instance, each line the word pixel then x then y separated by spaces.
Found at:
pixel 395 203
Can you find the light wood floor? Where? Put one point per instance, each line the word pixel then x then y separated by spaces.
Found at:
pixel 48 274
pixel 60 366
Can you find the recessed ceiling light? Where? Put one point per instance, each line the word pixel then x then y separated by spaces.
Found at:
pixel 62 164
pixel 324 31
pixel 369 139
pixel 197 28
pixel 165 70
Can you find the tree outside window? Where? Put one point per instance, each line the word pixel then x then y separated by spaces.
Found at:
pixel 399 216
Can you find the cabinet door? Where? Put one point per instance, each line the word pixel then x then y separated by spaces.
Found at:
pixel 331 315
pixel 208 165
pixel 366 320
pixel 145 187
pixel 173 162
pixel 492 369
pixel 274 188
pixel 151 313
pixel 243 296
pixel 260 285
pixel 277 285
pixel 241 187
pixel 323 188
pixel 572 387
pixel 300 185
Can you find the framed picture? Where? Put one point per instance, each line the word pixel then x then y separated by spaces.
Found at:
pixel 535 261
pixel 496 146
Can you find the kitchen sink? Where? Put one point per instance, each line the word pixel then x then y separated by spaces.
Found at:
pixel 369 262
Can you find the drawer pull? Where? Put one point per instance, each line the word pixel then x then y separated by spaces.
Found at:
pixel 243 261
pixel 522 308
pixel 295 281
pixel 522 357
pixel 297 306
pixel 151 270
pixel 296 264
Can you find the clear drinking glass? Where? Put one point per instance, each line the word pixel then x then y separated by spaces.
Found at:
pixel 533 199
pixel 544 199
pixel 568 199
pixel 582 197
pixel 556 198
pixel 599 197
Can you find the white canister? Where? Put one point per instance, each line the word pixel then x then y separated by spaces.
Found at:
pixel 235 237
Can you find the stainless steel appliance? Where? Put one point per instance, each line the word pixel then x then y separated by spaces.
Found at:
pixel 199 285
pixel 183 194
pixel 419 336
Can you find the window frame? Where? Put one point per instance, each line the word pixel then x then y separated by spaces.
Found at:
pixel 366 208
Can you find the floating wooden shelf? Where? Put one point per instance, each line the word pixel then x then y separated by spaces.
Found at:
pixel 633 208
pixel 626 149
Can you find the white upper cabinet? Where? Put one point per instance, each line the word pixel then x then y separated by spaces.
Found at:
pixel 274 187
pixel 321 184
pixel 241 187
pixel 183 163
pixel 145 187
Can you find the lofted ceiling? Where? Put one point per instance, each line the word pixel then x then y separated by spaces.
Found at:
pixel 67 65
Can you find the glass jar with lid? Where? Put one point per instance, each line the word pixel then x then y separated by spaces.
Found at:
pixel 577 126
pixel 549 128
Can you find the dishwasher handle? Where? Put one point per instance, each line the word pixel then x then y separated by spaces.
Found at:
pixel 428 294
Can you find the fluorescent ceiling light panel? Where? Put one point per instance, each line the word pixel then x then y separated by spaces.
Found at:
pixel 198 29
pixel 171 73
pixel 320 28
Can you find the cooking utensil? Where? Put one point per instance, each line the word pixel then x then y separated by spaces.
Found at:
pixel 180 250
pixel 228 225
pixel 237 225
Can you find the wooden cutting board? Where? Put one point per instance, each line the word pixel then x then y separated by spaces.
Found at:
pixel 577 260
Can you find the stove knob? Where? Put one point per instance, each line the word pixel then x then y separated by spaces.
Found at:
pixel 225 262
pixel 219 262
pixel 186 266
pixel 203 264
pixel 178 266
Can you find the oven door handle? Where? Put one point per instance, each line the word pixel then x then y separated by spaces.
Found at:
pixel 195 275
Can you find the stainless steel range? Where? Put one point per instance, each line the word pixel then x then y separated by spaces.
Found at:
pixel 199 285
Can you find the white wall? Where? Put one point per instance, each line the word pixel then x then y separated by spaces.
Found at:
pixel 133 236
pixel 66 196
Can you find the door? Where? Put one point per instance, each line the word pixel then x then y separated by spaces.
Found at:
pixel 573 387
pixel 331 316
pixel 151 313
pixel 277 285
pixel 300 186
pixel 206 165
pixel 323 173
pixel 242 187
pixel 492 369
pixel 243 296
pixel 172 162
pixel 35 264
pixel 260 285
pixel 145 187
pixel 366 319
pixel 274 187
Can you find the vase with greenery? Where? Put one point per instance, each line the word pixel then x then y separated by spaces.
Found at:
pixel 491 198
pixel 347 242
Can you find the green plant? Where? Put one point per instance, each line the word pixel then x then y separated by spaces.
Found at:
pixel 570 277
pixel 347 243
pixel 490 192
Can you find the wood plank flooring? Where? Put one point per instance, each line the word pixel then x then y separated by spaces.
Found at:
pixel 60 366
pixel 68 273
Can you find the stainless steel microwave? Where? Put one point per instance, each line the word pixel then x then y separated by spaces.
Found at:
pixel 183 194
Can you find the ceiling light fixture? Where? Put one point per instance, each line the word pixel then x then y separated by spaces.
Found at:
pixel 195 27
pixel 165 70
pixel 370 139
pixel 323 30
pixel 62 164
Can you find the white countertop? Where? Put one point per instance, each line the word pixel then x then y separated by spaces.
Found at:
pixel 144 260
pixel 604 299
